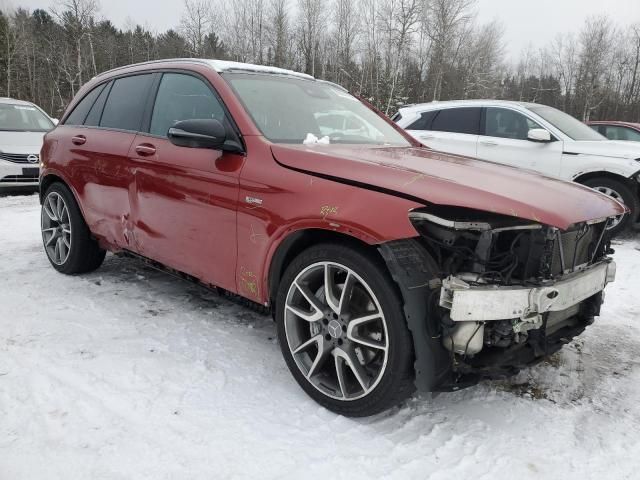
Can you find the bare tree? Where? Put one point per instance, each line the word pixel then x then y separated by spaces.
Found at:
pixel 595 40
pixel 312 18
pixel 447 24
pixel 278 32
pixel 195 25
pixel 77 17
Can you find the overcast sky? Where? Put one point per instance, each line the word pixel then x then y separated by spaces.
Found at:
pixel 526 22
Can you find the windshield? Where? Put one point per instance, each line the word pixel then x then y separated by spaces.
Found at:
pixel 572 128
pixel 23 118
pixel 297 110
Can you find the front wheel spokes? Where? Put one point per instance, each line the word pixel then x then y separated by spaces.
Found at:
pixel 322 353
pixel 347 358
pixel 352 332
pixel 336 331
pixel 329 290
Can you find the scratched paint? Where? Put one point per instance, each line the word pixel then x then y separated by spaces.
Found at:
pixel 256 238
pixel 249 283
pixel 414 179
pixel 327 210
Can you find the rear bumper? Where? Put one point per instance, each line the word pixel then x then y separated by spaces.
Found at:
pixel 487 303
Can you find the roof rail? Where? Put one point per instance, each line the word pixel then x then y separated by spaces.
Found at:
pixel 217 65
pixel 150 62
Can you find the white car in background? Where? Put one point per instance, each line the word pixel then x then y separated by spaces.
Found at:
pixel 22 127
pixel 531 136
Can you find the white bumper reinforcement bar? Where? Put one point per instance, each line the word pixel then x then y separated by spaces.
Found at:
pixel 491 302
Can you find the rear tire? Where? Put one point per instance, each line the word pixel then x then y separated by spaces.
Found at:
pixel 65 235
pixel 367 362
pixel 621 192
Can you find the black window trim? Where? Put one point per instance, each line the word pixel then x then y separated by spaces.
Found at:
pixel 151 101
pixel 107 88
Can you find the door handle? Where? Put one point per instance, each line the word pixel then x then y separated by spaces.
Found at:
pixel 145 150
pixel 79 140
pixel 488 143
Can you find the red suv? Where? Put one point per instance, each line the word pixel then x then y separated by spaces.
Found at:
pixel 386 265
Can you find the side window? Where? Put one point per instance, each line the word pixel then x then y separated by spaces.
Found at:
pixel 424 122
pixel 633 135
pixel 183 97
pixel 81 110
pixel 505 123
pixel 458 120
pixel 126 102
pixel 621 133
pixel 93 119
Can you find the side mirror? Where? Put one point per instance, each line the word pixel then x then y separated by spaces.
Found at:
pixel 200 133
pixel 55 121
pixel 539 135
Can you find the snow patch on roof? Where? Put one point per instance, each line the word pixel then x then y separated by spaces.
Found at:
pixel 225 66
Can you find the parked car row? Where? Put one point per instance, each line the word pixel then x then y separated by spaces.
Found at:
pixel 22 127
pixel 387 266
pixel 622 131
pixel 535 137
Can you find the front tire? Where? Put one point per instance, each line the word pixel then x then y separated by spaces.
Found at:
pixel 65 235
pixel 342 331
pixel 622 193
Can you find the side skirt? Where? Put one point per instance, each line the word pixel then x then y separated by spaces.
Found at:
pixel 234 297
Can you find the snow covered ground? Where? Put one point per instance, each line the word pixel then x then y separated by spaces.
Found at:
pixel 129 373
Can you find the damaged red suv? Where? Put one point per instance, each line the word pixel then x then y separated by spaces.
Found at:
pixel 386 265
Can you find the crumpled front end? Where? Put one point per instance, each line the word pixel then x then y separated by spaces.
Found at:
pixel 510 292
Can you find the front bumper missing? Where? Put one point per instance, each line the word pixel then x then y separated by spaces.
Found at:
pixel 479 303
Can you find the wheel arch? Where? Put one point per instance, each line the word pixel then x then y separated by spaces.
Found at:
pixel 410 267
pixel 583 177
pixel 52 177
pixel 298 241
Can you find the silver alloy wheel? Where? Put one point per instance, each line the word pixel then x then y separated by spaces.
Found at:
pixel 336 331
pixel 56 228
pixel 616 196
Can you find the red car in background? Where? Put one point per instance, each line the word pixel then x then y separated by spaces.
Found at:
pixel 387 266
pixel 625 131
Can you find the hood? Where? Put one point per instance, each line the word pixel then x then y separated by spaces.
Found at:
pixel 605 148
pixel 21 142
pixel 437 178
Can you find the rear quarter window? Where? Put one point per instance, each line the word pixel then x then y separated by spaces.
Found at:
pixel 80 111
pixel 424 122
pixel 458 120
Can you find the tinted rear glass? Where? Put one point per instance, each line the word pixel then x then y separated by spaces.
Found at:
pixel 93 119
pixel 81 110
pixel 424 122
pixel 126 102
pixel 458 120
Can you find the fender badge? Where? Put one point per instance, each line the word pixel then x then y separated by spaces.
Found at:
pixel 253 200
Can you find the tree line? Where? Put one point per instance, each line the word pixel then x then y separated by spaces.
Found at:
pixel 391 52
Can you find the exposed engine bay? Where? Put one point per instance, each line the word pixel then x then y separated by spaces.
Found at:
pixel 512 292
